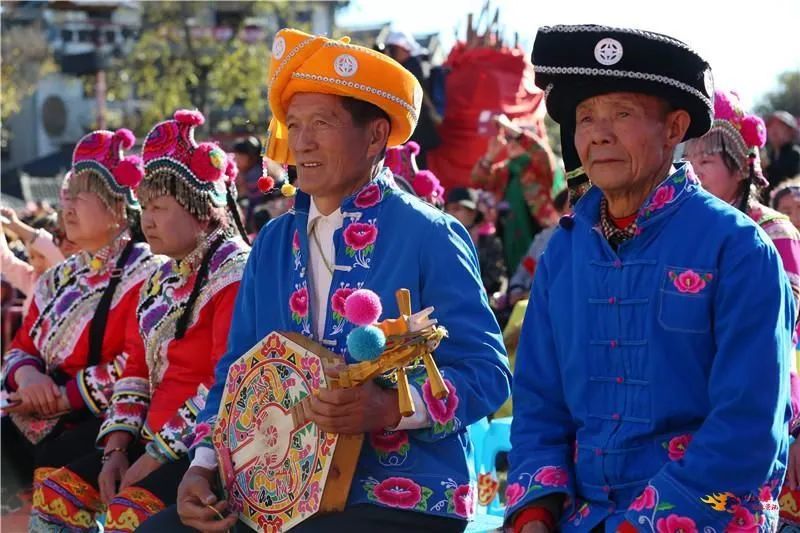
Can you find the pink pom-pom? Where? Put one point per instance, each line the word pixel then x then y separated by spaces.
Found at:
pixel 208 162
pixel 129 172
pixel 425 183
pixel 125 138
pixel 231 170
pixel 726 106
pixel 190 117
pixel 412 147
pixel 753 131
pixel 363 307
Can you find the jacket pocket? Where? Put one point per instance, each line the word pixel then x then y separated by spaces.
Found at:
pixel 686 299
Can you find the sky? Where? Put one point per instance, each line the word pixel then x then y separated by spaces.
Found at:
pixel 748 45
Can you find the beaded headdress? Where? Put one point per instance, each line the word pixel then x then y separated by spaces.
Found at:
pixel 736 134
pixel 200 176
pixel 99 165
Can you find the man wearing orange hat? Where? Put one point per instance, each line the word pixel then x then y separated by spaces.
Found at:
pixel 336 109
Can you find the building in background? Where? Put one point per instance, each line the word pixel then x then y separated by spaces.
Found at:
pixel 84 36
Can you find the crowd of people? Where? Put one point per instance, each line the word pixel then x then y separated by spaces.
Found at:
pixel 654 377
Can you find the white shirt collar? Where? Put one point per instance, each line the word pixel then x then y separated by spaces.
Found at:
pixel 336 218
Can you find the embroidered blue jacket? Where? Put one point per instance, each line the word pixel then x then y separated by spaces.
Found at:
pixel 651 383
pixel 389 240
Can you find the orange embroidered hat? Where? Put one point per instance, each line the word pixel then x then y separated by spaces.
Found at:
pixel 303 63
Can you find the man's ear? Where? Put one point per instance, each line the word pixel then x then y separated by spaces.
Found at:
pixel 677 123
pixel 378 136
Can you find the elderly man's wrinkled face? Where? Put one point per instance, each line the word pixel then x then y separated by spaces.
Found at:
pixel 625 139
pixel 333 154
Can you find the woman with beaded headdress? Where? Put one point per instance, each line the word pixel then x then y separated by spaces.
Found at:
pixel 726 160
pixel 61 367
pixel 189 215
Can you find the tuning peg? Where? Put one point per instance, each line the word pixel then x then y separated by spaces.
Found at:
pixel 404 399
pixel 438 387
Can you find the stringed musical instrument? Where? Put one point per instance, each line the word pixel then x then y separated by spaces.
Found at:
pixel 279 469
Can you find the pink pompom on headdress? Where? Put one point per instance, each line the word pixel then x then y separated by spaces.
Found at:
pixel 428 187
pixel 189 117
pixel 231 170
pixel 125 138
pixel 754 131
pixel 727 107
pixel 130 171
pixel 401 160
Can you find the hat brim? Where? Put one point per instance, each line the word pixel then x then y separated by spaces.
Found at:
pixel 469 204
pixel 565 95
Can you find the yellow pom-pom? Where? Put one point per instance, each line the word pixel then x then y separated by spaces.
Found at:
pixel 96 264
pixel 288 190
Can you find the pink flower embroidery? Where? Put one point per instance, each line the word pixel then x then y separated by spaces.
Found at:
pixel 689 281
pixel 338 298
pixel 311 500
pixel 645 500
pixel 298 303
pixel 552 476
pixel 236 371
pixel 398 492
pixel 514 493
pixel 441 411
pixel 388 441
pixel 464 500
pixel 311 365
pixel 359 235
pixel 676 524
pixel 201 432
pixel 677 446
pixel 296 241
pixel 662 197
pixel 765 494
pixel 743 520
pixel 369 196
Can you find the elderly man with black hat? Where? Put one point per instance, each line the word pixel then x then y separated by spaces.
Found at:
pixel 651 384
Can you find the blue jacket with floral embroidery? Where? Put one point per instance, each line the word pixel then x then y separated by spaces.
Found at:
pixel 389 240
pixel 652 382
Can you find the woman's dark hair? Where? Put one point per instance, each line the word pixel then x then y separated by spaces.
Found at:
pixel 134 217
pixel 47 222
pixel 249 146
pixel 747 183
